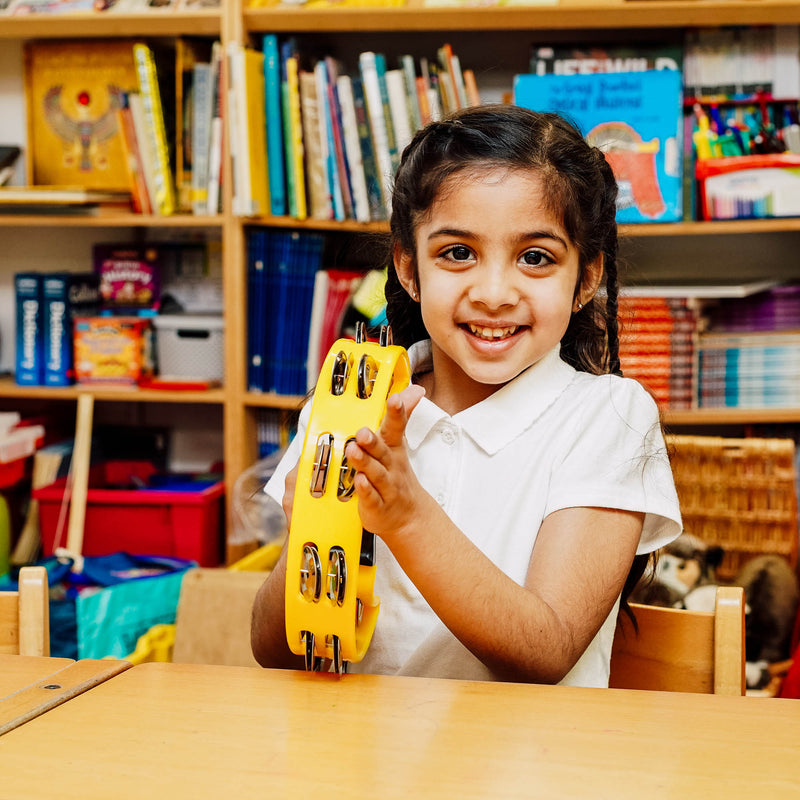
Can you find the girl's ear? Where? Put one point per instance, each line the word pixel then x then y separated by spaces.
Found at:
pixel 590 283
pixel 404 267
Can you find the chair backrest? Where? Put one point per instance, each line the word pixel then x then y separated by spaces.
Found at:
pixel 683 651
pixel 212 625
pixel 25 616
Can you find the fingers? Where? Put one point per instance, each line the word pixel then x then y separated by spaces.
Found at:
pixel 398 410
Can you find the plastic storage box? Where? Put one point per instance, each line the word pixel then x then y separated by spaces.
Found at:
pixel 179 517
pixel 190 346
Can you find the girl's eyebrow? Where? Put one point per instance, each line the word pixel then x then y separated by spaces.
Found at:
pixel 524 237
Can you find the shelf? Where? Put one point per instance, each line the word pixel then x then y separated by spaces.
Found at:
pixel 111 25
pixel 288 402
pixel 10 389
pixel 105 217
pixel 570 14
pixel 731 416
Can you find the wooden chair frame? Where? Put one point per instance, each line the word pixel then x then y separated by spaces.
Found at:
pixel 676 650
pixel 25 615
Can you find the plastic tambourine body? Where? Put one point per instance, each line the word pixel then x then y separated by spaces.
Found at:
pixel 331 608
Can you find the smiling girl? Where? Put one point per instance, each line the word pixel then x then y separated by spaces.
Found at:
pixel 514 483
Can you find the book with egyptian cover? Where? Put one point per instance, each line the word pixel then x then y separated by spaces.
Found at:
pixel 636 119
pixel 73 93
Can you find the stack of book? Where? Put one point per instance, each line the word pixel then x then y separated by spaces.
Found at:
pixel 657 345
pixel 316 140
pixel 281 271
pixel 750 357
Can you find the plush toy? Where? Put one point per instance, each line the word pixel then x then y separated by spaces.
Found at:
pixel 684 576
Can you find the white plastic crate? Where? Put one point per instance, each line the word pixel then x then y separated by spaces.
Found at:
pixel 190 346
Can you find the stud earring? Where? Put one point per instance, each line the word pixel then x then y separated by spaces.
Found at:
pixel 580 305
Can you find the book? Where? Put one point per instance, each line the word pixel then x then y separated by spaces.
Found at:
pixel 156 130
pixel 329 163
pixel 636 119
pixel 255 129
pixel 140 197
pixel 605 57
pixel 215 146
pixel 144 147
pixel 29 364
pixel 335 118
pixel 26 197
pixel 319 198
pixel 382 134
pixel 72 92
pixel 275 149
pixel 398 106
pixel 352 145
pixel 296 162
pixel 8 157
pixel 65 296
pixel 377 209
pixel 202 117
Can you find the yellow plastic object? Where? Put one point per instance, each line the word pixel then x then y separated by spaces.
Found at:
pixel 155 645
pixel 261 560
pixel 331 608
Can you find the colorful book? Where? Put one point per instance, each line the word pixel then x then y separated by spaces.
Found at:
pixel 330 165
pixel 255 126
pixel 352 145
pixel 29 363
pixel 398 106
pixel 140 197
pixel 65 296
pixel 296 136
pixel 144 145
pixel 275 150
pixel 319 199
pixel 335 109
pixel 636 119
pixel 156 129
pixel 377 209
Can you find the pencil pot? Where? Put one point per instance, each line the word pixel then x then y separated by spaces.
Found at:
pixel 749 187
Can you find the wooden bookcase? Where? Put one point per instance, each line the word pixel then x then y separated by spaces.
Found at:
pixel 567 20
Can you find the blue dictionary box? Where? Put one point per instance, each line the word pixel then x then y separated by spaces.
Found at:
pixel 64 296
pixel 636 119
pixel 28 362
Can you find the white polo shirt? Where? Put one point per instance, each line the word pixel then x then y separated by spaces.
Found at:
pixel 552 438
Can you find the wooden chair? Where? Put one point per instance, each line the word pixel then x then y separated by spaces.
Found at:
pixel 683 651
pixel 25 615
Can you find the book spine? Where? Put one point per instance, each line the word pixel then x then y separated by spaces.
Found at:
pixel 217 130
pixel 377 210
pixel 410 80
pixel 57 330
pixel 377 123
pixel 352 145
pixel 28 297
pixel 296 133
pixel 391 138
pixel 145 147
pixel 275 153
pixel 319 200
pixel 202 111
pixel 342 166
pixel 154 115
pixel 327 147
pixel 398 106
pixel 133 158
pixel 256 129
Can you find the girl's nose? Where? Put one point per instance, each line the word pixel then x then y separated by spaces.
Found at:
pixel 494 287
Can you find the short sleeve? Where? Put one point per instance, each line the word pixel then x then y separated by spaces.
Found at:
pixel 276 485
pixel 615 457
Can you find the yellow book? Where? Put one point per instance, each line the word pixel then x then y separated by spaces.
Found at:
pixel 73 91
pixel 164 201
pixel 256 132
pixel 296 130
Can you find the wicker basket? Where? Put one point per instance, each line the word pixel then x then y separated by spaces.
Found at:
pixel 740 494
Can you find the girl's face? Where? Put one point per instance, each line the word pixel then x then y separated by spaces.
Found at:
pixel 497 281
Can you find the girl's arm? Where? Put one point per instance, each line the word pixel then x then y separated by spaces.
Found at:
pixel 532 633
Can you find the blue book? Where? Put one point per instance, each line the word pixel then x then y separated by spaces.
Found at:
pixel 275 151
pixel 29 369
pixel 65 296
pixel 255 323
pixel 636 119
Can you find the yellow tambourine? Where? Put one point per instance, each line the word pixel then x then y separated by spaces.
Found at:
pixel 331 607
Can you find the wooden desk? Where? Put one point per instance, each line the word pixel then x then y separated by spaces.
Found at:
pixel 31 685
pixel 187 731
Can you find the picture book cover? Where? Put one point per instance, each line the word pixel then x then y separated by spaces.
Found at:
pixel 73 92
pixel 636 119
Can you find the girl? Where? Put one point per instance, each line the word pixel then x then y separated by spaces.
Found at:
pixel 513 483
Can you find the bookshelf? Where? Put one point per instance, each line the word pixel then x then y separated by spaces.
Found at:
pixel 345 27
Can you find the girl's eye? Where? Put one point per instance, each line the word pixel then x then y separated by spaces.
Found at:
pixel 458 252
pixel 536 258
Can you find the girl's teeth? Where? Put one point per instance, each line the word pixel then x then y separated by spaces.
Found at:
pixel 491 333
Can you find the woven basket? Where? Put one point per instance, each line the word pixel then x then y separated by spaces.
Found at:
pixel 740 494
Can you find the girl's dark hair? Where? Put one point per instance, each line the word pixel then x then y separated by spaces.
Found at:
pixel 582 193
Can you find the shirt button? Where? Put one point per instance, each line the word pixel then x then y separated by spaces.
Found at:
pixel 440 499
pixel 448 437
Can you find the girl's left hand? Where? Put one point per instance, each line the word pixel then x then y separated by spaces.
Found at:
pixel 389 494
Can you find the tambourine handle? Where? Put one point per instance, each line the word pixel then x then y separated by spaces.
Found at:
pixel 331 608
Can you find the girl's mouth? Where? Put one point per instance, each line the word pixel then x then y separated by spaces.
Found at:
pixel 491 334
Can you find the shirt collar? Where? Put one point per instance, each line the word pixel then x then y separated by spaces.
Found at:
pixel 495 422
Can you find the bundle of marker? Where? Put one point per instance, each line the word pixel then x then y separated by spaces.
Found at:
pixel 746 166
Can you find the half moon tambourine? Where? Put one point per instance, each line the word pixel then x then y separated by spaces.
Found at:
pixel 331 608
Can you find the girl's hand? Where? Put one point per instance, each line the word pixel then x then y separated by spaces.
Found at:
pixel 389 494
pixel 290 484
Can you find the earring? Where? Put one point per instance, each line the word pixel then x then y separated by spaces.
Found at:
pixel 580 305
pixel 414 294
